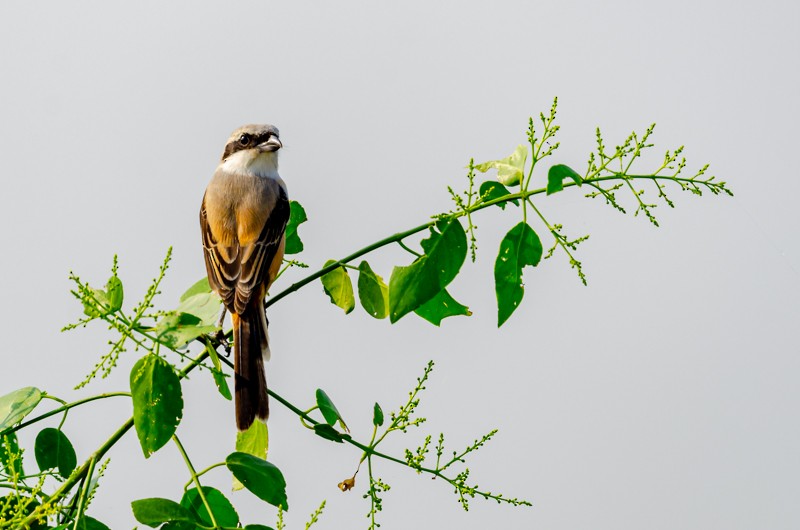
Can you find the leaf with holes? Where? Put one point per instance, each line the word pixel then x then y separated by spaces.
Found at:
pixel 520 247
pixel 373 292
pixel 440 307
pixel 157 402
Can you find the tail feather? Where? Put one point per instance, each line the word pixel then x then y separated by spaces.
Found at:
pixel 250 384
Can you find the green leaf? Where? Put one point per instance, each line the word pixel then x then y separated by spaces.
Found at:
pixel 297 216
pixel 179 525
pixel 377 415
pixel 90 308
pixel 10 455
pixel 373 292
pixel 114 294
pixel 556 176
pixel 260 477
pixel 205 306
pixel 221 507
pixel 199 287
pixel 491 190
pixel 412 286
pixel 338 286
pixel 107 301
pixel 219 377
pixel 329 410
pixel 329 433
pixel 90 523
pixel 177 329
pixel 54 450
pixel 18 404
pixel 440 307
pixel 511 169
pixel 520 247
pixel 155 511
pixel 254 441
pixel 157 402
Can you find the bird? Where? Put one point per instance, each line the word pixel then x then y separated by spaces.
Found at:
pixel 243 220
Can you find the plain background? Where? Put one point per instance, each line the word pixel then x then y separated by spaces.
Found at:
pixel 662 396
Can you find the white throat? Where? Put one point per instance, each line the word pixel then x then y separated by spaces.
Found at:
pixel 252 162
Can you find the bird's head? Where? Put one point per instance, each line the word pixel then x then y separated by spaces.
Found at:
pixel 253 149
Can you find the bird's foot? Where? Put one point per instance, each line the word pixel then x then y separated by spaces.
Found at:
pixel 223 341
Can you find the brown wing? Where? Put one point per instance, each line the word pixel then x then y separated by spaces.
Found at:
pixel 237 272
pixel 257 257
pixel 222 263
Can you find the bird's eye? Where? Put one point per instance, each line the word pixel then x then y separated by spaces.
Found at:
pixel 244 140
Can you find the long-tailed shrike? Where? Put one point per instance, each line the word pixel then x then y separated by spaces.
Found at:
pixel 243 217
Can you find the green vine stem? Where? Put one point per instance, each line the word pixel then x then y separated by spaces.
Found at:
pixel 15 428
pixel 521 195
pixel 195 479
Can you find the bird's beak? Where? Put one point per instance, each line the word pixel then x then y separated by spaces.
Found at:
pixel 271 145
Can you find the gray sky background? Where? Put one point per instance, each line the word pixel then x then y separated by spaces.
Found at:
pixel 662 396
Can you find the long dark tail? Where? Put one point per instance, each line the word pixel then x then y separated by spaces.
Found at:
pixel 249 346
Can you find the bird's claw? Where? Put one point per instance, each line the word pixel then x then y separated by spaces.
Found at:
pixel 223 341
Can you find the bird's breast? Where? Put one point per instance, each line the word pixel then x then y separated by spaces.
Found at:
pixel 238 206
